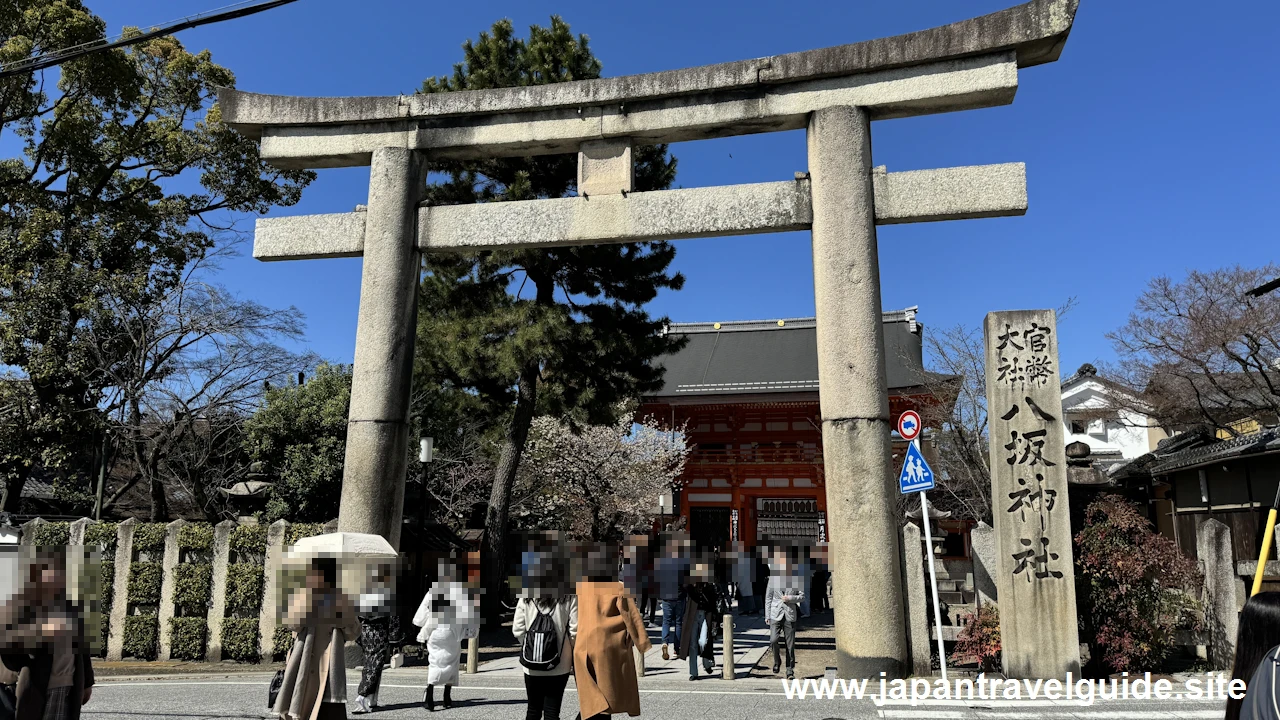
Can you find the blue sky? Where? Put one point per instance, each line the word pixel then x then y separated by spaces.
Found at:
pixel 1151 147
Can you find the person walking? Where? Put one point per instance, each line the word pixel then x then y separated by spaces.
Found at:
pixel 803 567
pixel 447 614
pixel 545 624
pixel 781 611
pixel 45 670
pixel 701 619
pixel 609 626
pixel 379 630
pixel 744 569
pixel 821 577
pixel 1257 659
pixel 672 569
pixel 314 683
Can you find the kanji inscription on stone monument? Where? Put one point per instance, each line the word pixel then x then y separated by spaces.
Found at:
pixel 1029 491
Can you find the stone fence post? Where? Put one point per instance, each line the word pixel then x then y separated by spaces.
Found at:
pixel 218 589
pixel 29 529
pixel 913 592
pixel 168 570
pixel 983 542
pixel 76 537
pixel 120 588
pixel 271 570
pixel 1213 548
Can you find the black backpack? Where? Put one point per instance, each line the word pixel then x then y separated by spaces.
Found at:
pixel 541 648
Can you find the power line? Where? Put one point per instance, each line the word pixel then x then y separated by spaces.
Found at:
pixel 57 57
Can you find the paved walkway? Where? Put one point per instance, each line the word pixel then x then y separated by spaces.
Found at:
pixel 750 644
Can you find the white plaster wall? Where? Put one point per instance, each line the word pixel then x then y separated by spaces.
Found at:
pixel 1128 434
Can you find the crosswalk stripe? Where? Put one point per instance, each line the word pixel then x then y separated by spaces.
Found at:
pixel 1083 711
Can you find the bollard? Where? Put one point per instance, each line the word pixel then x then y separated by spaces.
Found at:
pixel 473 656
pixel 728 646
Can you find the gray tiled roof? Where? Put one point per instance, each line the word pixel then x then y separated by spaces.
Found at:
pixel 775 356
pixel 1193 450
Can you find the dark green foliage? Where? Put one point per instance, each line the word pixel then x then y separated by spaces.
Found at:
pixel 244 589
pixel 284 644
pixel 197 537
pixel 116 180
pixel 51 533
pixel 108 584
pixel 473 332
pixel 144 582
pixel 141 636
pixel 249 539
pixel 559 331
pixel 148 537
pixel 240 639
pixel 187 638
pixel 297 531
pixel 1142 589
pixel 300 434
pixel 103 535
pixel 191 589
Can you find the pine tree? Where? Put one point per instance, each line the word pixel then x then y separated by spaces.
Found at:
pixel 559 331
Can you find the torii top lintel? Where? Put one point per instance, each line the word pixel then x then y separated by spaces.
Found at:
pixel 978 58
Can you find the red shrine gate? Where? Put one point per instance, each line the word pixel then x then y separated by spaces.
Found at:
pixel 746 394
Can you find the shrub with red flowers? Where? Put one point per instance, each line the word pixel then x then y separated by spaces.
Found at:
pixel 1142 590
pixel 979 640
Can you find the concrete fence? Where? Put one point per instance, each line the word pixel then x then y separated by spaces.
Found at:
pixel 215 595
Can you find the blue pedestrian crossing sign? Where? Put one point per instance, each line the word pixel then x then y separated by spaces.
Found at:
pixel 916 475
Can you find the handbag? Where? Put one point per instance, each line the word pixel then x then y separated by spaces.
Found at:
pixel 274 688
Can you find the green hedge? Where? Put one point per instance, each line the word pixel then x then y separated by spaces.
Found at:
pixel 187 637
pixel 284 643
pixel 240 639
pixel 103 535
pixel 148 537
pixel 249 539
pixel 144 582
pixel 297 531
pixel 51 533
pixel 191 588
pixel 140 636
pixel 108 584
pixel 244 589
pixel 197 537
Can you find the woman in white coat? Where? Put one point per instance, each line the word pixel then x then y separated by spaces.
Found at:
pixel 447 614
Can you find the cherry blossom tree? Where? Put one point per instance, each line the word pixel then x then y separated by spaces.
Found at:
pixel 598 482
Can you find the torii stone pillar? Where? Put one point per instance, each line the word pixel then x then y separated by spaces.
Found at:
pixel 382 380
pixel 870 634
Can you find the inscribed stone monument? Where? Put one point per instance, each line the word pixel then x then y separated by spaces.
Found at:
pixel 1035 576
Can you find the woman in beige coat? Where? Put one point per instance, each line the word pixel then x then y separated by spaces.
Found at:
pixel 609 625
pixel 315 677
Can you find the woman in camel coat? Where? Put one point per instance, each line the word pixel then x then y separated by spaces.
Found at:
pixel 315 677
pixel 609 625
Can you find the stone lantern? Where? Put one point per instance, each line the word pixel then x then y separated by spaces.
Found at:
pixel 250 495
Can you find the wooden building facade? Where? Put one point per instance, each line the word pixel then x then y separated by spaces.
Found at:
pixel 746 396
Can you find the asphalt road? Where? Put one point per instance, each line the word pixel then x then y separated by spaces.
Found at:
pixel 502 698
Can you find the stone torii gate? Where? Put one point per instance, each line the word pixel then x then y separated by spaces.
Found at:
pixel 834 93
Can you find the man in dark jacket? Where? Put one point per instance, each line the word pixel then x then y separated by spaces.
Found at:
pixel 702 618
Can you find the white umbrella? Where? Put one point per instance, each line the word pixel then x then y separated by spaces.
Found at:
pixel 342 545
pixel 354 552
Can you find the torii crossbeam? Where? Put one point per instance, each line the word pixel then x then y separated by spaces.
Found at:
pixel 834 93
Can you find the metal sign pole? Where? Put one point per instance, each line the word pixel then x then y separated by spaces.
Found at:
pixel 933 575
